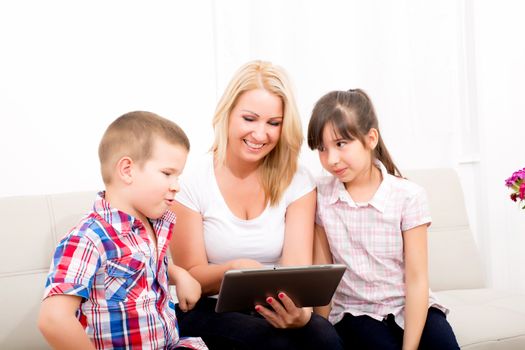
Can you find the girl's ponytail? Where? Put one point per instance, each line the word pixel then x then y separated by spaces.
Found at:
pixel 381 153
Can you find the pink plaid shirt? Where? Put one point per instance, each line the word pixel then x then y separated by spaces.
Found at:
pixel 109 261
pixel 367 238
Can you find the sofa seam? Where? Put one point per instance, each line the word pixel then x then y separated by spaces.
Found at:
pixel 493 340
pixel 23 272
pixel 52 218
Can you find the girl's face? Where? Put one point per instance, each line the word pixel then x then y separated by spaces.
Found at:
pixel 255 125
pixel 347 160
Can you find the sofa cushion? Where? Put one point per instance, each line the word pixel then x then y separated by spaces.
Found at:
pixel 486 318
pixel 450 242
pixel 26 235
pixel 31 227
pixel 453 250
pixel 21 295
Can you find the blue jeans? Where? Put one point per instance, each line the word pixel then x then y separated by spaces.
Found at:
pixel 364 332
pixel 236 330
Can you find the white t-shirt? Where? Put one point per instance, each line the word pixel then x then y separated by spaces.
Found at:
pixel 228 237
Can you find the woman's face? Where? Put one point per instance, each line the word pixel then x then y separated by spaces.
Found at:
pixel 255 125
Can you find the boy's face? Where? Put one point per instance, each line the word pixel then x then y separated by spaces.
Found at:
pixel 156 182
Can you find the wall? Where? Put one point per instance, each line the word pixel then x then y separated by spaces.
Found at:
pixel 68 69
pixel 500 73
pixel 446 78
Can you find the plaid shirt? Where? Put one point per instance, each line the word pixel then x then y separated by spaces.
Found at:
pixel 368 239
pixel 108 260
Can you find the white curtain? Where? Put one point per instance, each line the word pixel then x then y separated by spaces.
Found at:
pixel 446 77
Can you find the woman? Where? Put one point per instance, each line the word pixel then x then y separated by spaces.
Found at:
pixel 250 205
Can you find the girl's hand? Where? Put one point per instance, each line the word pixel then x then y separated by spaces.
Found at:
pixel 284 314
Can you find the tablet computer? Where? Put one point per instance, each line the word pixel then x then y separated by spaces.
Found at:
pixel 306 285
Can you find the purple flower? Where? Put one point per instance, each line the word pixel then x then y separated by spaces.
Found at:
pixel 517 185
pixel 516 176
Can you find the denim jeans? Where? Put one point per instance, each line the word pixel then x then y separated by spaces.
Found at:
pixel 364 332
pixel 236 330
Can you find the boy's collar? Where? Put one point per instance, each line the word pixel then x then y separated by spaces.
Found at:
pixel 121 221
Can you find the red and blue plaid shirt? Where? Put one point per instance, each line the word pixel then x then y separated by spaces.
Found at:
pixel 108 260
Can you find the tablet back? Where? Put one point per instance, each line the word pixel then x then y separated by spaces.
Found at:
pixel 312 285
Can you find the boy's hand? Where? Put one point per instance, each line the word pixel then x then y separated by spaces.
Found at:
pixel 188 288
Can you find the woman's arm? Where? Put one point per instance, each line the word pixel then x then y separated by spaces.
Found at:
pixel 416 285
pixel 189 252
pixel 297 250
pixel 58 323
pixel 299 231
pixel 322 255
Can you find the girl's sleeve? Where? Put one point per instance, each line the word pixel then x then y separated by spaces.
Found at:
pixel 320 202
pixel 318 219
pixel 416 211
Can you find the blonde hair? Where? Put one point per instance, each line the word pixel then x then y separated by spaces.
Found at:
pixel 279 166
pixel 132 135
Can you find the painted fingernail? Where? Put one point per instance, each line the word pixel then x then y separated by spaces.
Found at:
pixel 269 300
pixel 257 308
pixel 281 295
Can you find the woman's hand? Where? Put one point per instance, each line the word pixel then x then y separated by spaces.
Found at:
pixel 284 314
pixel 239 264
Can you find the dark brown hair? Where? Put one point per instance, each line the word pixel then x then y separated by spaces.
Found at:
pixel 132 135
pixel 352 115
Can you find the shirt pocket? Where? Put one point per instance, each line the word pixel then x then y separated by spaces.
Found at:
pixel 125 278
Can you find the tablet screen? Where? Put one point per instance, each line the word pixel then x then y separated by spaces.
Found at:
pixel 311 285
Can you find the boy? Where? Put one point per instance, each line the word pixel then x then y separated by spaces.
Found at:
pixel 108 282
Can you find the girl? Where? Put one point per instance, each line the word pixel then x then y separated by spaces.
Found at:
pixel 375 222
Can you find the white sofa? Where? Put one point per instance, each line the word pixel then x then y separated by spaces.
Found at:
pixel 482 318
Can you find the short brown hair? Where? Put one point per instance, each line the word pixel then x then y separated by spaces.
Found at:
pixel 132 134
